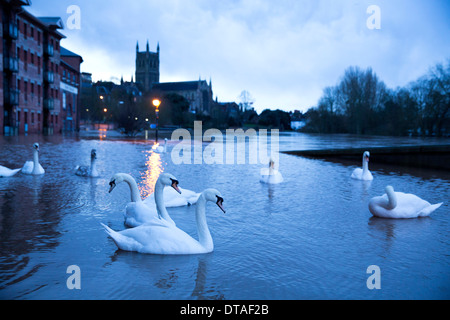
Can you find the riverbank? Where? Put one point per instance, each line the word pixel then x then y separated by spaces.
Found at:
pixel 422 156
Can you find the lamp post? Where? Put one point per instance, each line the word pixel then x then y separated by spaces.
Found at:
pixel 156 103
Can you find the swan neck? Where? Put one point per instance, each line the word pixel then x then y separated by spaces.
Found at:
pixel 204 235
pixel 392 199
pixel 365 165
pixel 93 166
pixel 35 161
pixel 159 200
pixel 135 195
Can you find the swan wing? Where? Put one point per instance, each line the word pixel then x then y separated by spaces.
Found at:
pixel 40 169
pixel 357 174
pixel 137 213
pixel 28 167
pixel 82 171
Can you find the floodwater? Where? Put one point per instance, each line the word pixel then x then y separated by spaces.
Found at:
pixel 310 237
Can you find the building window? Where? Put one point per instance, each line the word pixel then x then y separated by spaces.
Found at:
pixel 24 30
pixel 25 90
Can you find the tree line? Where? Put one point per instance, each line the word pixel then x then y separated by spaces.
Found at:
pixel 362 104
pixel 132 111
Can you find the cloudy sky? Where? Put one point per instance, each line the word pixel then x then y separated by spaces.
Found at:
pixel 283 52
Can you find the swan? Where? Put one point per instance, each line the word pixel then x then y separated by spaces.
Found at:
pixel 400 205
pixel 85 171
pixel 174 198
pixel 33 167
pixel 161 149
pixel 6 172
pixel 364 173
pixel 168 239
pixel 137 212
pixel 270 174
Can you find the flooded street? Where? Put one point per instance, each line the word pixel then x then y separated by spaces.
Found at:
pixel 310 237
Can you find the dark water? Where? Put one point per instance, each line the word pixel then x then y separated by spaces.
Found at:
pixel 311 237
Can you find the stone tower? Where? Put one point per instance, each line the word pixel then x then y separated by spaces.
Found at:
pixel 147 67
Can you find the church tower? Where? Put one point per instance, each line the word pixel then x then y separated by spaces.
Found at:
pixel 147 67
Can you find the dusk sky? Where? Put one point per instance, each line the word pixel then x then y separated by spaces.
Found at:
pixel 283 52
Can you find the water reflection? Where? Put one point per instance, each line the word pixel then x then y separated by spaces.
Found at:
pixel 391 230
pixel 154 168
pixel 168 274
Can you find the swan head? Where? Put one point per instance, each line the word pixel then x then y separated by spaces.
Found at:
pixel 389 189
pixel 36 146
pixel 115 180
pixel 168 179
pixel 214 195
pixel 366 156
pixel 93 154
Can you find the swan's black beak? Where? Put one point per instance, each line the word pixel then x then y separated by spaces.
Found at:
pixel 367 158
pixel 175 185
pixel 220 203
pixel 112 185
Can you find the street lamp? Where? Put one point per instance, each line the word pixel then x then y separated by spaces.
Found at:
pixel 156 103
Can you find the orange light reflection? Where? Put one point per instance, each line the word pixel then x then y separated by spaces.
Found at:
pixel 154 169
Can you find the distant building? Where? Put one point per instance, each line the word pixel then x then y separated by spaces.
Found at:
pixel 70 89
pixel 297 120
pixel 147 67
pixel 31 85
pixel 198 93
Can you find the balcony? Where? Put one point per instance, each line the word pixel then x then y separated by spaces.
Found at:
pixel 12 97
pixel 10 30
pixel 49 76
pixel 11 64
pixel 49 104
pixel 48 50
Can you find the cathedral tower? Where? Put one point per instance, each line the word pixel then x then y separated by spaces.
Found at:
pixel 147 67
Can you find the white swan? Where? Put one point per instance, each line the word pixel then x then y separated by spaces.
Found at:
pixel 174 198
pixel 400 205
pixel 270 174
pixel 161 149
pixel 364 173
pixel 168 239
pixel 91 171
pixel 33 167
pixel 137 212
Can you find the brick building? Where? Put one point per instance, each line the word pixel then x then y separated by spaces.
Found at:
pixel 33 93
